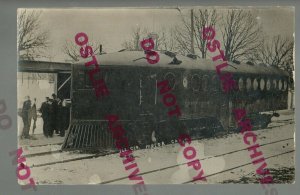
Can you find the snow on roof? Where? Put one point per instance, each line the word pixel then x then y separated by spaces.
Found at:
pixel 138 58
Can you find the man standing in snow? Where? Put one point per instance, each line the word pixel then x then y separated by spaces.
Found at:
pixel 55 110
pixel 34 115
pixel 26 116
pixel 60 118
pixel 45 110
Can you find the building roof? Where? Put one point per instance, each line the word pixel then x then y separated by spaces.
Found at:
pixel 43 66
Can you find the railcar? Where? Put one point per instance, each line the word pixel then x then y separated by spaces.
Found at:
pixel 134 97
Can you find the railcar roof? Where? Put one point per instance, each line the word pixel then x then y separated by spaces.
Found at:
pixel 138 58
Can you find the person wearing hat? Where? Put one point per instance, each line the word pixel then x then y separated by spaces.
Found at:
pixel 46 116
pixel 55 110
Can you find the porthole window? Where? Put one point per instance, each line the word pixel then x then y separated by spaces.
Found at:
pixel 255 84
pixel 262 84
pixel 241 84
pixel 279 84
pixel 248 84
pixel 185 82
pixel 205 83
pixel 284 85
pixel 105 76
pixel 195 82
pixel 171 78
pixel 268 85
pixel 274 84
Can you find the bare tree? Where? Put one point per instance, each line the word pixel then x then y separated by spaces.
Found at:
pixel 134 43
pixel 32 39
pixel 241 34
pixel 277 52
pixel 72 50
pixel 200 19
pixel 166 40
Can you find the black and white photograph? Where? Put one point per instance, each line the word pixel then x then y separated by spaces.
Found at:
pixel 178 95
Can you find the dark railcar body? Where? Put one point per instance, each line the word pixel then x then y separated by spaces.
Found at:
pixel 134 97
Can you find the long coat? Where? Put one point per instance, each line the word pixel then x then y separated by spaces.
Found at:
pixel 26 109
pixel 47 115
pixel 26 116
pixel 45 110
pixel 33 112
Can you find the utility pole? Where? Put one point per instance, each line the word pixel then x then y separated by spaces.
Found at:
pixel 192 31
pixel 137 41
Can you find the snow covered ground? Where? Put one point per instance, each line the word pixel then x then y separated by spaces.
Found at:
pixel 158 165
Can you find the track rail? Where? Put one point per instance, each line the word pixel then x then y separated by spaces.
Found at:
pixel 71 160
pixel 113 152
pixel 169 167
pixel 240 166
pixel 39 145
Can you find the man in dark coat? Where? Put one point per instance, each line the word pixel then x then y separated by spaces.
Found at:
pixel 60 118
pixel 65 117
pixel 46 116
pixel 26 116
pixel 55 109
pixel 51 118
pixel 34 115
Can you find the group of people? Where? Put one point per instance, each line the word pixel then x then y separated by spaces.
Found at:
pixel 54 115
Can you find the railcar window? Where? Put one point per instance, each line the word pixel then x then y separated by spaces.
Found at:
pixel 262 84
pixel 284 85
pixel 196 81
pixel 279 85
pixel 248 84
pixel 268 85
pixel 205 83
pixel 171 78
pixel 241 84
pixel 215 83
pixel 255 84
pixel 87 81
pixel 81 79
pixel 274 84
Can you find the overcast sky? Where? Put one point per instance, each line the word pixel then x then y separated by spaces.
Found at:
pixel 112 27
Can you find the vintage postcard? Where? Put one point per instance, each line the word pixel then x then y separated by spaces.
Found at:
pixel 137 96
